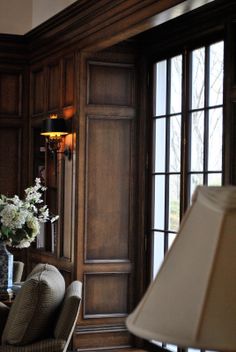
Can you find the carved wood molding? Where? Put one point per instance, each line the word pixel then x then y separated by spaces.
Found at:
pixel 102 337
pixel 13 49
pixel 95 25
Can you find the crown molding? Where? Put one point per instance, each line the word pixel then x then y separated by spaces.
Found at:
pixel 95 25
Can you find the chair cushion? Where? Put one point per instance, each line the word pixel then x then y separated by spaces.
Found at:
pixel 33 312
pixel 41 267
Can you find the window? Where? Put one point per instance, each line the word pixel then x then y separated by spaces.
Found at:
pixel 167 122
pixel 187 138
pixel 206 116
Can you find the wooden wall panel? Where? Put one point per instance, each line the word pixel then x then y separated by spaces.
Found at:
pixel 110 84
pixel 10 94
pixel 38 91
pixel 68 82
pixel 65 203
pixel 106 295
pixel 115 337
pixel 10 160
pixel 106 93
pixel 108 173
pixel 106 188
pixel 53 86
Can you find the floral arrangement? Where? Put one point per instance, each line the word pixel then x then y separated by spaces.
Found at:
pixel 20 219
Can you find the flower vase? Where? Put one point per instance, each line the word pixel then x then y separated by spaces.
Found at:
pixel 6 270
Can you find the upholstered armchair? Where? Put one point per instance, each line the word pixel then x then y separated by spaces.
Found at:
pixel 43 315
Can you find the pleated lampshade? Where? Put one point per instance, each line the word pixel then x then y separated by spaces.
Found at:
pixel 192 301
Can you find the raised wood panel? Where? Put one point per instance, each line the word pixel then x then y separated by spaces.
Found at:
pixel 10 94
pixel 10 160
pixel 110 84
pixel 105 295
pixel 53 86
pixel 38 91
pixel 104 258
pixel 103 338
pixel 65 206
pixel 68 211
pixel 108 188
pixel 68 82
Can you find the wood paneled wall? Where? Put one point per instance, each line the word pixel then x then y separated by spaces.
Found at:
pixel 11 130
pixel 95 192
pixel 13 119
pixel 100 193
pixel 52 83
pixel 106 189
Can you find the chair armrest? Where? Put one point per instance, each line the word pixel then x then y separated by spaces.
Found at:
pixel 4 310
pixel 47 345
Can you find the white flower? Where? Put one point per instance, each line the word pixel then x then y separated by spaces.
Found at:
pixel 33 224
pixel 33 196
pixel 44 217
pixel 16 200
pixel 20 219
pixel 13 216
pixel 7 214
pixel 23 244
pixel 54 218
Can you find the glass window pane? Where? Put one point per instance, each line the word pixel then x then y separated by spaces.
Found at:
pixel 160 144
pixel 171 238
pixel 197 141
pixel 214 179
pixel 216 74
pixel 160 87
pixel 198 76
pixel 195 180
pixel 215 140
pixel 159 202
pixel 158 251
pixel 158 343
pixel 171 347
pixel 174 200
pixel 175 143
pixel 197 350
pixel 193 350
pixel 176 84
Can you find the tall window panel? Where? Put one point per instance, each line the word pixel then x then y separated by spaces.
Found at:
pixel 166 156
pixel 205 116
pixel 187 96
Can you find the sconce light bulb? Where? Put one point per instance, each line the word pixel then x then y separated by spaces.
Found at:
pixel 53 116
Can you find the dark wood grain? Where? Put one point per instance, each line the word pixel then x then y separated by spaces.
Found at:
pixel 10 94
pixel 109 142
pixel 101 193
pixel 10 160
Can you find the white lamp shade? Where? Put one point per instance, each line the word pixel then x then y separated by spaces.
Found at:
pixel 192 301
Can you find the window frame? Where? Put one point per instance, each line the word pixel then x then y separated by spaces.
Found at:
pixel 186 96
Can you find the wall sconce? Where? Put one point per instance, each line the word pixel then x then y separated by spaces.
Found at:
pixel 54 129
